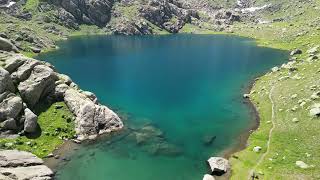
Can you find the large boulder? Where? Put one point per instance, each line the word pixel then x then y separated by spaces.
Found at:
pixel 10 107
pixel 218 165
pixel 6 83
pixel 6 45
pixel 16 164
pixel 30 122
pixel 40 83
pixel 91 118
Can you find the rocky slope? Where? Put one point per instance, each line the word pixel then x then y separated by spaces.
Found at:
pixel 25 82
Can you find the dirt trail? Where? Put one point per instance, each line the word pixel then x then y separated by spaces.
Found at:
pixel 252 171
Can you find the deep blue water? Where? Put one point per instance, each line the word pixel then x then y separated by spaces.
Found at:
pixel 174 92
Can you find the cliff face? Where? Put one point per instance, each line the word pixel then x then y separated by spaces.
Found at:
pixel 97 12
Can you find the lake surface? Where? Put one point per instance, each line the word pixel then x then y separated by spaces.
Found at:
pixel 179 95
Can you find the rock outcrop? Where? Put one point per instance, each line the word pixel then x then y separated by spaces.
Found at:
pixel 97 12
pixel 167 14
pixel 6 45
pixel 16 164
pixel 26 82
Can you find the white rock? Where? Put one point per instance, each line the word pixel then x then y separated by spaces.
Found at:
pixel 257 149
pixel 218 165
pixel 302 164
pixel 315 110
pixel 208 177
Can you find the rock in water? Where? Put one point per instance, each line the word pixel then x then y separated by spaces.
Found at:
pixel 22 165
pixel 218 165
pixel 91 118
pixel 208 177
pixel 6 45
pixel 30 123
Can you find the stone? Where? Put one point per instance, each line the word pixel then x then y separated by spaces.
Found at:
pixel 10 107
pixel 91 118
pixel 295 52
pixel 35 50
pixel 315 110
pixel 6 83
pixel 208 140
pixel 295 120
pixel 313 50
pixel 208 177
pixel 218 165
pixel 9 124
pixel 275 69
pixel 246 96
pixel 6 45
pixel 257 149
pixel 302 165
pixel 31 121
pixel 40 83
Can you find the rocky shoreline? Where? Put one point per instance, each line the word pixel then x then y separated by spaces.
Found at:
pixel 24 83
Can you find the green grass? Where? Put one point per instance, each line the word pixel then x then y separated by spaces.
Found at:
pixel 55 124
pixel 290 141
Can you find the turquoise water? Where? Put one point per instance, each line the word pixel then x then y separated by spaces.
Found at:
pixel 179 95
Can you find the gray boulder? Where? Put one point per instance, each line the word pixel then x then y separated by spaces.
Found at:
pixel 23 165
pixel 6 45
pixel 30 122
pixel 39 84
pixel 91 119
pixel 24 70
pixel 9 124
pixel 10 107
pixel 6 83
pixel 218 165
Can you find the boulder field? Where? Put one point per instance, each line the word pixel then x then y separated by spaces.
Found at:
pixel 25 82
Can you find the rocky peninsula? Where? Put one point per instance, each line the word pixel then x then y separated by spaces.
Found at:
pixel 24 83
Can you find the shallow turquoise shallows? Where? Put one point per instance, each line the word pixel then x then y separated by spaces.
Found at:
pixel 179 95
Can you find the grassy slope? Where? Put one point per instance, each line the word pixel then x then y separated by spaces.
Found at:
pixel 55 124
pixel 290 142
